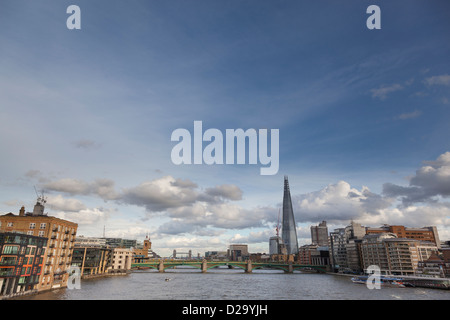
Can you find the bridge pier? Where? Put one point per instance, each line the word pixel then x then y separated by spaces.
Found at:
pixel 249 266
pixel 290 267
pixel 204 266
pixel 161 266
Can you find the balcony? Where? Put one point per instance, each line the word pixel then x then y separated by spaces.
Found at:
pixel 7 273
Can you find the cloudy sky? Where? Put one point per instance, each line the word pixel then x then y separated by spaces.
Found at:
pixel 363 115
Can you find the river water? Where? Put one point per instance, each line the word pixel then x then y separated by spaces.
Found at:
pixel 232 284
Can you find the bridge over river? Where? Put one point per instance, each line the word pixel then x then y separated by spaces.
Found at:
pixel 204 265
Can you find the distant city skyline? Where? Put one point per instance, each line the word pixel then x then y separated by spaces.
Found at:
pixel 363 116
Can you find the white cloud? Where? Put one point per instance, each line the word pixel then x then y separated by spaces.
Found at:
pixel 337 202
pixel 409 115
pixel 443 80
pixel 104 188
pixel 429 182
pixel 89 216
pixel 59 203
pixel 382 92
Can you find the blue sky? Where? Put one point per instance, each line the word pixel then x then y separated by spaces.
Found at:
pixel 87 115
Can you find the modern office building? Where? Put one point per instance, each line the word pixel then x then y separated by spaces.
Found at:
pixel 276 246
pixel 393 255
pixel 92 259
pixel 344 247
pixel 238 252
pixel 90 241
pixel 288 231
pixel 121 243
pixel 319 234
pixel 373 251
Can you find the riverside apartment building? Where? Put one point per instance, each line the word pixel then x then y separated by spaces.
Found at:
pixel 60 235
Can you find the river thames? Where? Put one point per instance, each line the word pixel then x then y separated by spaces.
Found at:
pixel 232 284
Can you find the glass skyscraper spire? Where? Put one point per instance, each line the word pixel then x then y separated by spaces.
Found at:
pixel 289 232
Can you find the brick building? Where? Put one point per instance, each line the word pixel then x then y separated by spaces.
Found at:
pixel 60 235
pixel 422 234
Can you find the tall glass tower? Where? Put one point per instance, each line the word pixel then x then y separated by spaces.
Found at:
pixel 289 232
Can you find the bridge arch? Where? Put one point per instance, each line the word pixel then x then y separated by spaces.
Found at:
pixel 320 269
pixel 171 265
pixel 271 266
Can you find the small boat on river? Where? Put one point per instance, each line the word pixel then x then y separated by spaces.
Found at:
pixel 383 281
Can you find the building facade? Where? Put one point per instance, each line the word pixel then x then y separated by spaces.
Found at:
pixel 373 251
pixel 121 243
pixel 93 260
pixel 276 248
pixel 142 254
pixel 216 255
pixel 422 234
pixel 344 248
pixel 319 234
pixel 434 266
pixel 21 263
pixel 238 252
pixel 121 260
pixel 393 255
pixel 289 230
pixel 60 235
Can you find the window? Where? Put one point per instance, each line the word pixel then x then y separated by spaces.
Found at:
pixel 32 225
pixel 30 232
pixel 41 233
pixel 10 249
pixel 42 226
pixel 10 224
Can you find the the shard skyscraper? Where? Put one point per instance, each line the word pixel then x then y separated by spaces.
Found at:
pixel 289 232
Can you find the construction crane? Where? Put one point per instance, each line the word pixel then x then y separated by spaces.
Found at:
pixel 40 198
pixel 277 229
